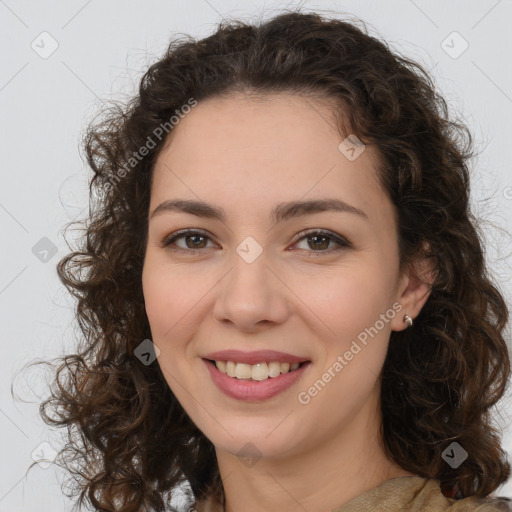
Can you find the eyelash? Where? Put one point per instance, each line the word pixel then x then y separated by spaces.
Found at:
pixel 307 233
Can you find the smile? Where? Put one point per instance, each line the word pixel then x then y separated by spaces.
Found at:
pixel 248 389
pixel 258 372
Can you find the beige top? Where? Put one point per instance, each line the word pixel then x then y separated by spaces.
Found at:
pixel 406 493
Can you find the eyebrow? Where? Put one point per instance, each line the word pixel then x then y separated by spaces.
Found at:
pixel 279 213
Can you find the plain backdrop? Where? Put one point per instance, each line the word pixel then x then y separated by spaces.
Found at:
pixel 60 59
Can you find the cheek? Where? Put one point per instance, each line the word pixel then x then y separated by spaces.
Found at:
pixel 347 301
pixel 159 308
pixel 175 303
pixel 169 298
pixel 166 311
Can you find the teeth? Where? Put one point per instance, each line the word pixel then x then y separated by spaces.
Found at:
pixel 230 368
pixel 259 371
pixel 274 369
pixel 243 371
pixel 221 365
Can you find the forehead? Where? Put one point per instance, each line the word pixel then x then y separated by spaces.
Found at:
pixel 253 151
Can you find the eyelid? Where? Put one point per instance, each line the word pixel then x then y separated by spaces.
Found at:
pixel 319 231
pixel 167 240
pixel 341 241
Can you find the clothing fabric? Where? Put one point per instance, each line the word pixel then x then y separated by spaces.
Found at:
pixel 404 494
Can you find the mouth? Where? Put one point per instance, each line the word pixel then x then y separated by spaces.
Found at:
pixel 254 376
pixel 258 372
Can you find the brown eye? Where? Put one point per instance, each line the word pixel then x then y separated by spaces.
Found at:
pixel 320 240
pixel 197 241
pixel 194 240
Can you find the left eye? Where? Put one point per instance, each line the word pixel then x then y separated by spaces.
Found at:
pixel 321 239
pixel 318 240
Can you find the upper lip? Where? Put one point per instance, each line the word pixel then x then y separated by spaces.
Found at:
pixel 257 356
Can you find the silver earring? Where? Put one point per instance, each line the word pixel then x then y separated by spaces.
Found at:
pixel 408 320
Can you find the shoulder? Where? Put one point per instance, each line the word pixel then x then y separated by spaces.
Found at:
pixel 404 494
pixel 430 498
pixel 417 494
pixel 473 504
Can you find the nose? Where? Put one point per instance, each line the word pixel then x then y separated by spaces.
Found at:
pixel 251 296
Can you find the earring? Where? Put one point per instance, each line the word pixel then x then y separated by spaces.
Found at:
pixel 408 320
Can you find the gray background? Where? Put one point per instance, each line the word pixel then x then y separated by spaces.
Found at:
pixel 103 48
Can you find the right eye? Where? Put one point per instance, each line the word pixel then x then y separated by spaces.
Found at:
pixel 194 240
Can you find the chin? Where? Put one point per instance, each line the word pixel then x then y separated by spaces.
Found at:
pixel 259 439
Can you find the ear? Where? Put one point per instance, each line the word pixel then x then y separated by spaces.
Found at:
pixel 414 290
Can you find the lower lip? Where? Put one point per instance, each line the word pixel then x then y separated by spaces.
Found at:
pixel 252 390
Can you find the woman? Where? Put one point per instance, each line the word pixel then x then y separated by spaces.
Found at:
pixel 282 291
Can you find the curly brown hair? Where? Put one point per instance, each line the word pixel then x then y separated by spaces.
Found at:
pixel 130 443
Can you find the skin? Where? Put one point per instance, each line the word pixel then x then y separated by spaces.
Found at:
pixel 246 154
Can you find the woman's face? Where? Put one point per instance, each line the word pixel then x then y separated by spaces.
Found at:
pixel 253 283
